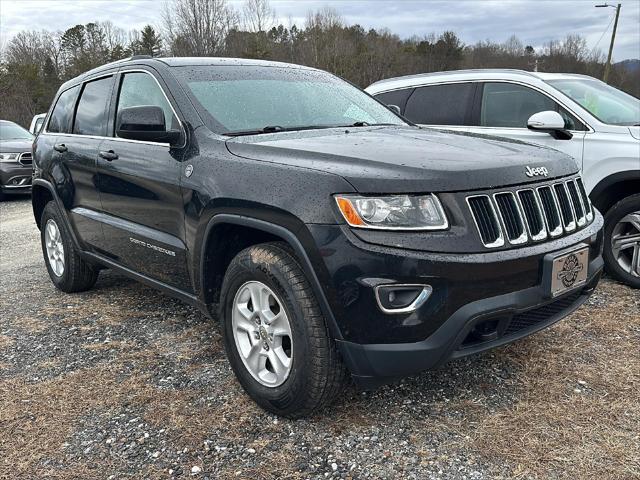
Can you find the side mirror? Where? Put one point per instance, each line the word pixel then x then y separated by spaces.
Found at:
pixel 395 109
pixel 551 122
pixel 145 123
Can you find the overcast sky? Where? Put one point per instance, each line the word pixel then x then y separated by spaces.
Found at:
pixel 534 21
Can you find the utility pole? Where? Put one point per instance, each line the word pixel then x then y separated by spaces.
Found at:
pixel 607 67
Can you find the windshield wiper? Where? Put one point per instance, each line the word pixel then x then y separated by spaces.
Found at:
pixel 276 128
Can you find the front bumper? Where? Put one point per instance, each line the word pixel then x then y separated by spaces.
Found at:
pixel 15 178
pixel 505 288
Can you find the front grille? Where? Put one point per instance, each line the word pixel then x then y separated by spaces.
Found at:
pixel 531 214
pixel 551 212
pixel 25 159
pixel 486 220
pixel 511 217
pixel 565 207
pixel 585 199
pixel 576 202
pixel 530 318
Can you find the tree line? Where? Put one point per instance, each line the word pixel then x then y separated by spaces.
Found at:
pixel 33 64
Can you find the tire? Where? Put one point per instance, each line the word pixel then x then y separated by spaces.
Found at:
pixel 316 373
pixel 69 272
pixel 618 224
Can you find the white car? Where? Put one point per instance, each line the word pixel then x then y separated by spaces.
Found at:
pixel 593 122
pixel 36 123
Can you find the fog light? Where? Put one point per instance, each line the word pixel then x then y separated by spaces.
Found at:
pixel 398 298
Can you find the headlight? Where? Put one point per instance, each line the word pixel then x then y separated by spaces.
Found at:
pixel 9 157
pixel 397 212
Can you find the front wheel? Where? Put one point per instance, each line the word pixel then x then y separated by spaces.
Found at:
pixel 275 335
pixel 622 240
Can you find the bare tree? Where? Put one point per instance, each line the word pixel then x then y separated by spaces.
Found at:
pixel 258 16
pixel 198 27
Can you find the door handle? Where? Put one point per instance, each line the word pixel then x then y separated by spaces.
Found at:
pixel 108 155
pixel 60 147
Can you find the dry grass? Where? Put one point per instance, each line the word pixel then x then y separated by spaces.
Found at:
pixel 550 431
pixel 37 418
pixel 5 341
pixel 578 408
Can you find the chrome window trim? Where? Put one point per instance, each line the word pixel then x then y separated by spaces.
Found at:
pixel 117 94
pixel 542 234
pixel 499 242
pixel 523 238
pixel 559 229
pixel 516 82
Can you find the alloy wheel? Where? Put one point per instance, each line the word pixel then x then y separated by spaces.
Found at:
pixel 625 243
pixel 55 248
pixel 262 333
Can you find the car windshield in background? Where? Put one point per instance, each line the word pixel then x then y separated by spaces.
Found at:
pixel 607 104
pixel 12 131
pixel 249 99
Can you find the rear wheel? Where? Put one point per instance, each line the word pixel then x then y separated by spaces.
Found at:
pixel 275 335
pixel 67 270
pixel 622 241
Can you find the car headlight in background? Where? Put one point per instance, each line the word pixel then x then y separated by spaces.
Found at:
pixel 393 212
pixel 9 157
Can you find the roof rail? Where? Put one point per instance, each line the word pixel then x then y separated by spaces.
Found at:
pixel 138 57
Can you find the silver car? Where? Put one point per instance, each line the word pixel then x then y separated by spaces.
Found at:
pixel 593 122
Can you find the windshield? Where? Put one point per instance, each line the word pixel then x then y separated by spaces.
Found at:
pixel 249 98
pixel 12 131
pixel 607 104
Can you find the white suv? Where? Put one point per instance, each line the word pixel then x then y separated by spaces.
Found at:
pixel 596 124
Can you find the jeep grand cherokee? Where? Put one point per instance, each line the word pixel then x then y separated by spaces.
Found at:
pixel 332 237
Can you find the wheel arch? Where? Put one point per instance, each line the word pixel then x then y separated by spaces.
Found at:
pixel 614 188
pixel 231 233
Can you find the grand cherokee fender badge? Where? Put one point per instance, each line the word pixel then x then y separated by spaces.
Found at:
pixel 152 247
pixel 570 270
pixel 536 171
pixel 188 170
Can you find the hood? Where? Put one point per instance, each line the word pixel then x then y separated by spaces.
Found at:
pixel 15 146
pixel 406 159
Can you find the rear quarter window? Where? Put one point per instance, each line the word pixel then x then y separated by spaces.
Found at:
pixel 60 121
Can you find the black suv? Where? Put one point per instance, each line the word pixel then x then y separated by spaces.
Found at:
pixel 333 237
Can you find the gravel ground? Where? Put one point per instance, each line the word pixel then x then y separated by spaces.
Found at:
pixel 124 382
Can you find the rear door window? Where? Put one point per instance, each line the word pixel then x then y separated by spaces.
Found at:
pixel 60 121
pixel 448 104
pixel 92 112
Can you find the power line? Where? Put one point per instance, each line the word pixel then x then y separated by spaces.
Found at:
pixel 601 36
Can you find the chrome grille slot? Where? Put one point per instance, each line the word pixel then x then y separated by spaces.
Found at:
pixel 486 221
pixel 511 217
pixel 551 211
pixel 532 214
pixel 25 159
pixel 565 207
pixel 576 203
pixel 585 199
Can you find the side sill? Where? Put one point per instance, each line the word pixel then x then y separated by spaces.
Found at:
pixel 192 300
